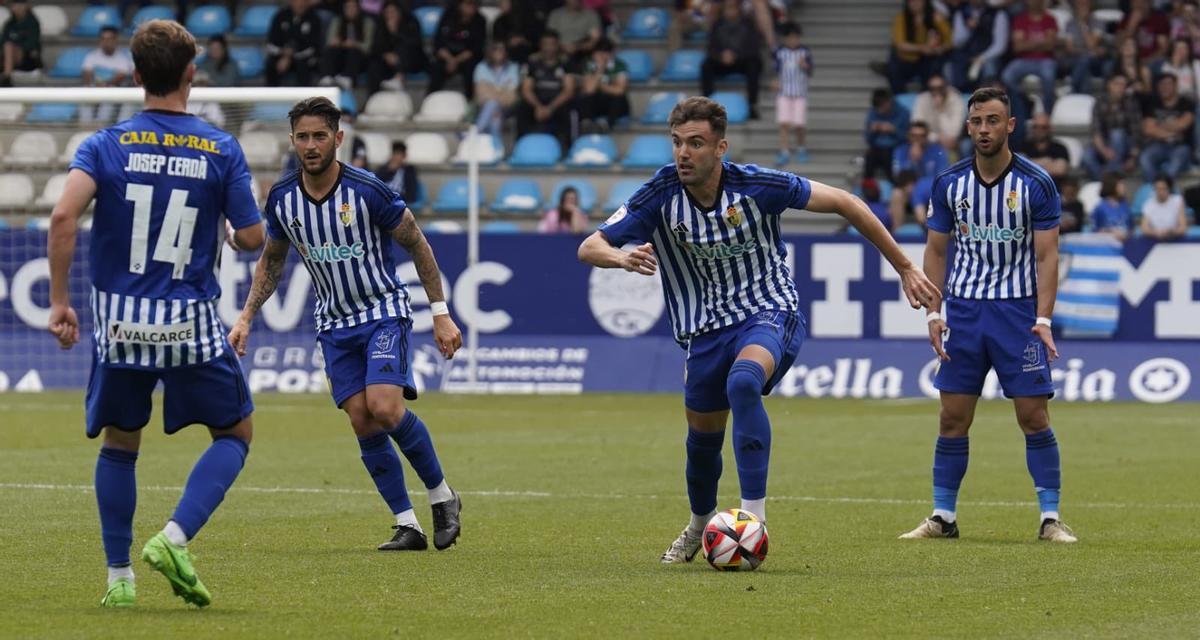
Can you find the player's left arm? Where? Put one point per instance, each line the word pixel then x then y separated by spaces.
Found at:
pixel 1045 246
pixel 917 287
pixel 408 235
pixel 64 225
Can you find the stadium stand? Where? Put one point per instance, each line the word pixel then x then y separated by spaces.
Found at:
pixel 518 195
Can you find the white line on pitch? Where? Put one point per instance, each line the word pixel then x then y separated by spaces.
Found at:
pixel 1187 506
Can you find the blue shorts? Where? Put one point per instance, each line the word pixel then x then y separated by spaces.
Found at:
pixel 711 354
pixel 213 394
pixel 987 334
pixel 372 353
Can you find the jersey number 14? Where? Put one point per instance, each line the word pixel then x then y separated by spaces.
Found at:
pixel 174 245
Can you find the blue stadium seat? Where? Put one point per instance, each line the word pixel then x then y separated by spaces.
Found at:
pixel 535 150
pixel 658 110
pixel 151 12
pixel 910 231
pixel 1140 197
pixel 453 197
pixel 620 192
pixel 593 150
pixel 95 18
pixel 209 20
pixel 500 226
pixel 256 21
pixel 648 23
pixel 585 188
pixel 270 111
pixel 683 66
pixel 906 100
pixel 736 108
pixel 429 18
pixel 518 195
pixel 52 113
pixel 1193 232
pixel 639 63
pixel 648 152
pixel 250 61
pixel 417 202
pixel 69 63
pixel 885 191
pixel 347 102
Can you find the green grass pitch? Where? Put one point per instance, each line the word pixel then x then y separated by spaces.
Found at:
pixel 570 500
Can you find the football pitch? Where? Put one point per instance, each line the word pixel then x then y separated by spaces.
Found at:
pixel 568 502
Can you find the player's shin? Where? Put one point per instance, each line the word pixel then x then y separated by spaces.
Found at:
pixel 751 433
pixel 412 436
pixel 116 496
pixel 950 458
pixel 214 473
pixel 703 474
pixel 1042 458
pixel 382 462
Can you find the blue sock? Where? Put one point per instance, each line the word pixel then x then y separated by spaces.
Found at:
pixel 383 463
pixel 950 458
pixel 212 476
pixel 116 495
pixel 703 469
pixel 413 439
pixel 751 427
pixel 1041 456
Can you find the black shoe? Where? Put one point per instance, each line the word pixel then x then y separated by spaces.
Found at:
pixel 445 522
pixel 406 538
pixel 949 529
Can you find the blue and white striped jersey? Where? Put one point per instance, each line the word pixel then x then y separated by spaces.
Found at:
pixel 163 182
pixel 993 226
pixel 721 264
pixel 346 244
pixel 793 79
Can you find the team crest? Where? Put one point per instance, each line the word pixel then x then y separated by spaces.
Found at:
pixel 1011 201
pixel 733 215
pixel 346 214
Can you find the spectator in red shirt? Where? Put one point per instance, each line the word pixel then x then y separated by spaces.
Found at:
pixel 1149 28
pixel 1034 41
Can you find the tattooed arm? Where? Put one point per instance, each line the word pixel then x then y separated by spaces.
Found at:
pixel 266 278
pixel 408 235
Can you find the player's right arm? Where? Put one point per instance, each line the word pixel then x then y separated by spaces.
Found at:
pixel 632 222
pixel 266 278
pixel 64 223
pixel 596 251
pixel 936 243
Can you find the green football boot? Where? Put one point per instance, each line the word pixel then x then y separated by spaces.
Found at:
pixel 121 593
pixel 176 564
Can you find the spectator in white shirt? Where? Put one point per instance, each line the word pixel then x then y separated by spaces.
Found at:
pixel 105 66
pixel 1163 216
pixel 944 109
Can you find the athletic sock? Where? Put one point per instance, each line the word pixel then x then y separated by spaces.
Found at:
pixel 412 437
pixel 1041 456
pixel 751 427
pixel 703 474
pixel 408 518
pixel 116 496
pixel 212 476
pixel 117 573
pixel 950 458
pixel 382 462
pixel 175 534
pixel 699 521
pixel 757 507
pixel 440 493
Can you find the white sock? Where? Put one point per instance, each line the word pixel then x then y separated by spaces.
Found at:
pixel 948 516
pixel 115 573
pixel 408 519
pixel 757 507
pixel 440 493
pixel 698 522
pixel 175 534
pixel 1049 515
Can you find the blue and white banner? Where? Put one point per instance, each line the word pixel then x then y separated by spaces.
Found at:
pixel 550 324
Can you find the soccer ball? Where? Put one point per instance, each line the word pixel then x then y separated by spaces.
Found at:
pixel 735 540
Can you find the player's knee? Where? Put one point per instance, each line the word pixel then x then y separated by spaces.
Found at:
pixel 387 412
pixel 1034 419
pixel 115 438
pixel 744 384
pixel 953 423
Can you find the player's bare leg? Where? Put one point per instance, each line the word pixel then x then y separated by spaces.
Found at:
pixel 949 466
pixel 116 494
pixel 1042 458
pixel 706 433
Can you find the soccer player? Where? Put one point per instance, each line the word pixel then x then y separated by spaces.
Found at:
pixel 161 181
pixel 1003 211
pixel 343 221
pixel 714 227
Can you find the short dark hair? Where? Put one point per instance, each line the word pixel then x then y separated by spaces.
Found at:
pixel 399 147
pixel 603 44
pixel 700 108
pixel 790 27
pixel 1163 75
pixel 1162 177
pixel 319 106
pixel 550 33
pixel 987 94
pixel 880 96
pixel 108 28
pixel 919 124
pixel 1109 184
pixel 161 52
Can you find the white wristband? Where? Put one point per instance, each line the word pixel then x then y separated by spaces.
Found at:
pixel 1045 322
pixel 930 317
pixel 439 308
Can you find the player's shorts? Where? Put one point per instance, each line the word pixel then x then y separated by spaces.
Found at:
pixel 987 334
pixel 373 353
pixel 791 110
pixel 214 394
pixel 711 354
